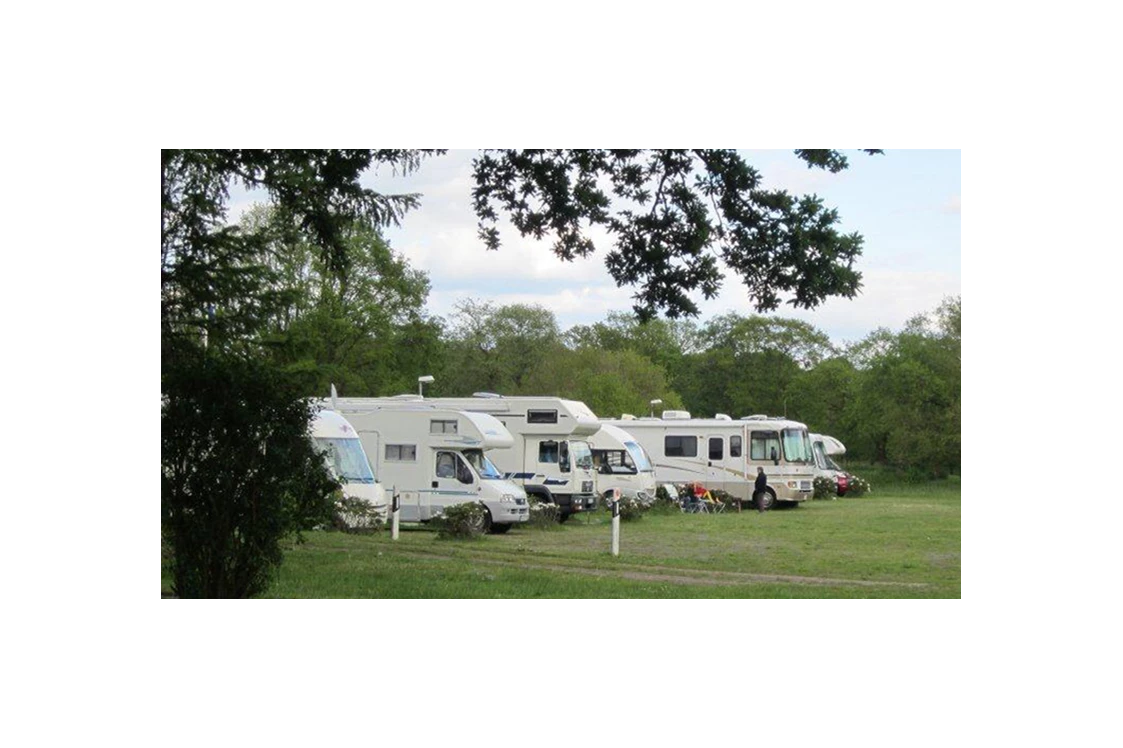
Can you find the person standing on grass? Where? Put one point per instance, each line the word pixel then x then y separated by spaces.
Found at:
pixel 759 488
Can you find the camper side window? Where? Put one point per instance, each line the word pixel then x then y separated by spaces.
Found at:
pixel 401 453
pixel 763 444
pixel 446 465
pixel 563 457
pixel 548 452
pixel 442 427
pixel 734 446
pixel 680 446
pixel 717 448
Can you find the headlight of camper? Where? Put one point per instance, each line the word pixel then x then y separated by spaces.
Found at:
pixel 508 498
pixel 793 484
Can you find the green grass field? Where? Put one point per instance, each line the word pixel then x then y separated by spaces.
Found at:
pixel 899 541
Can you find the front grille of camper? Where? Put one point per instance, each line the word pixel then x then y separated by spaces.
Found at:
pixel 587 487
pixel 805 485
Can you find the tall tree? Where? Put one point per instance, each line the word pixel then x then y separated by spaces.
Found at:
pixel 496 348
pixel 341 326
pixel 238 469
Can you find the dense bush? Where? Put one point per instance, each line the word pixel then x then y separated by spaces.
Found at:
pixel 355 515
pixel 664 503
pixel 239 473
pixel 543 514
pixel 825 488
pixel 858 486
pixel 631 509
pixel 462 521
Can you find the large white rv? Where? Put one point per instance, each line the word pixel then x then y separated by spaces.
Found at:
pixel 621 462
pixel 725 454
pixel 435 457
pixel 343 451
pixel 825 447
pixel 551 457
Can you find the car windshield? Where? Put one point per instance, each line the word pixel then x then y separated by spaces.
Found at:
pixel 582 454
pixel 483 466
pixel 639 457
pixel 797 445
pixel 345 459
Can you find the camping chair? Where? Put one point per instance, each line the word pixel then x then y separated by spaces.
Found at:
pixel 698 499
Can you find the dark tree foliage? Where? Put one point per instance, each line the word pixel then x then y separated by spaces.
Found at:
pixel 674 214
pixel 212 275
pixel 239 473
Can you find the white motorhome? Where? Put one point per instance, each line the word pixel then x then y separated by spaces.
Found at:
pixel 825 447
pixel 621 462
pixel 343 450
pixel 435 457
pixel 725 454
pixel 551 457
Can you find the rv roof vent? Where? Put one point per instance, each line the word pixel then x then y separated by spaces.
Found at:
pixel 627 417
pixel 721 417
pixel 676 415
pixel 491 395
pixel 757 417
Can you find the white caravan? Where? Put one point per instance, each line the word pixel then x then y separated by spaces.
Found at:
pixel 434 457
pixel 621 462
pixel 824 448
pixel 550 457
pixel 725 454
pixel 343 451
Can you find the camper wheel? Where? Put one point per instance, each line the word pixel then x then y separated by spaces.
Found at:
pixel 485 523
pixel 499 529
pixel 765 500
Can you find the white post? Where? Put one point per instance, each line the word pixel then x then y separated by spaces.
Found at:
pixel 394 514
pixel 616 522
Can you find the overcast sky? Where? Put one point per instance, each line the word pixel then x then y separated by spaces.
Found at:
pixel 905 203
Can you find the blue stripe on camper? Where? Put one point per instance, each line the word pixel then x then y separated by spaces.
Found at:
pixel 555 482
pixel 518 476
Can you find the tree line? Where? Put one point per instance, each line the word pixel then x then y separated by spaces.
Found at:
pixel 891 397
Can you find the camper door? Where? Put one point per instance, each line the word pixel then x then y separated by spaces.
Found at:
pixel 453 482
pixel 715 461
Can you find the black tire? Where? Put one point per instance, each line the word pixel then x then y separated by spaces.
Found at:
pixel 499 529
pixel 485 526
pixel 563 517
pixel 765 500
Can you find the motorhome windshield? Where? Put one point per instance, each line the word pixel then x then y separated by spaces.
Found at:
pixel 582 454
pixel 797 445
pixel 482 465
pixel 822 460
pixel 346 460
pixel 639 457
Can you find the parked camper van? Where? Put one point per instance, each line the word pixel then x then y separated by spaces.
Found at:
pixel 343 450
pixel 724 454
pixel 435 457
pixel 551 457
pixel 622 463
pixel 824 447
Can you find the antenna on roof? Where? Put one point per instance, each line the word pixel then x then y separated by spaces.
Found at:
pixel 333 396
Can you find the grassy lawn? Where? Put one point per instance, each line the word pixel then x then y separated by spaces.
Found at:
pixel 900 541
